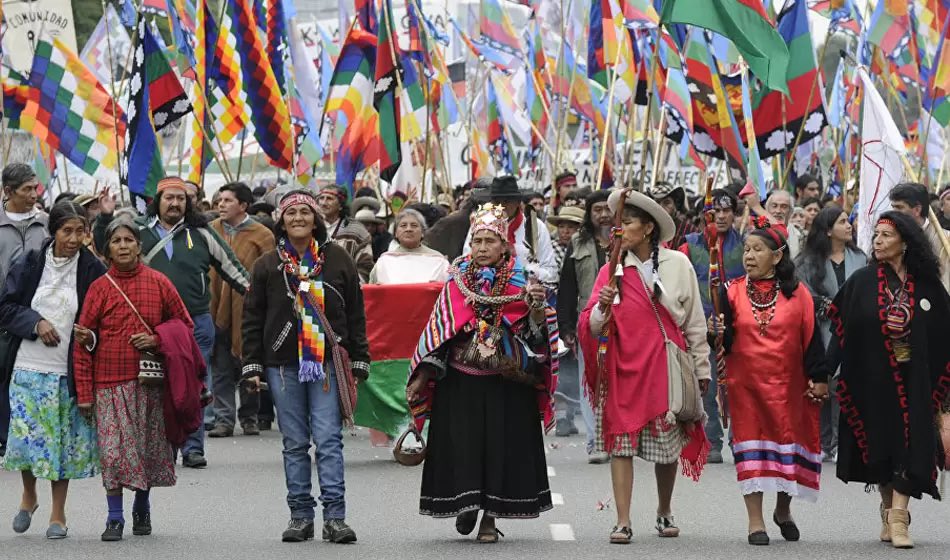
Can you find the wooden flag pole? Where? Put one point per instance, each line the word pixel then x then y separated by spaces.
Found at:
pixel 610 106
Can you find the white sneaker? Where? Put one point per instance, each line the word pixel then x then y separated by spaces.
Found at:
pixel 598 458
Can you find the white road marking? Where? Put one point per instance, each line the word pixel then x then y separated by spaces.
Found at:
pixel 557 499
pixel 551 472
pixel 562 532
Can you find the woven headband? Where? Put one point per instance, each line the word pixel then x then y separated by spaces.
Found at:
pixel 294 199
pixel 172 183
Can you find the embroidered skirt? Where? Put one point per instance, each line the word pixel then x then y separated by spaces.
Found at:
pixel 658 442
pixel 48 436
pixel 134 449
pixel 485 449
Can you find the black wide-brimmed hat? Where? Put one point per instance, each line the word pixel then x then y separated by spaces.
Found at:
pixel 504 188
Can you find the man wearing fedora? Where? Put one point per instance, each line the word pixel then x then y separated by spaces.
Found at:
pixel 527 235
pixel 368 211
pixel 696 247
pixel 566 224
pixel 673 200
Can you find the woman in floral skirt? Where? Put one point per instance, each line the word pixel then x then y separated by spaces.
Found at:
pixel 48 438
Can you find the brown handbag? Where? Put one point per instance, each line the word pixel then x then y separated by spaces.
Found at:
pixel 410 457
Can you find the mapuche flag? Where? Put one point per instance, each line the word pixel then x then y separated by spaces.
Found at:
pixel 395 318
pixel 746 24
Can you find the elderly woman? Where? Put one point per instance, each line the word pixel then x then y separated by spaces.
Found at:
pixel 42 295
pixel 890 339
pixel 303 323
pixel 410 262
pixel 480 373
pixel 124 309
pixel 629 382
pixel 772 347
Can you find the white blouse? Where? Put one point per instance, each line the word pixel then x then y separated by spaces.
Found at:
pixel 56 301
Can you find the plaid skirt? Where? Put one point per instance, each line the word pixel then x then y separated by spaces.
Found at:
pixel 133 448
pixel 658 442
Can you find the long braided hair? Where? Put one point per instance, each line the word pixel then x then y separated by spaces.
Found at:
pixel 646 218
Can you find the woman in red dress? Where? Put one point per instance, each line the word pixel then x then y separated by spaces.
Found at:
pixel 768 319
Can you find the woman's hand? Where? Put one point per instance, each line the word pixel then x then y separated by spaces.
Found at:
pixel 716 327
pixel 419 383
pixel 82 335
pixel 47 333
pixel 817 392
pixel 606 297
pixel 144 341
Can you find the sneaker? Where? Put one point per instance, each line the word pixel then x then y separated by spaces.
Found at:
pixel 298 530
pixel 250 428
pixel 563 428
pixel 598 458
pixel 337 531
pixel 113 530
pixel 829 457
pixel 194 460
pixel 221 431
pixel 141 523
pixel 714 457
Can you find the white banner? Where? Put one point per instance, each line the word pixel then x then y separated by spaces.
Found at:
pixel 26 18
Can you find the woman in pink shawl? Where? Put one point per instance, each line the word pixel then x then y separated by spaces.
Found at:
pixel 625 353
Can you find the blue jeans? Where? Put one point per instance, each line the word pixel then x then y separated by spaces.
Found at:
pixel 713 425
pixel 204 336
pixel 587 410
pixel 305 413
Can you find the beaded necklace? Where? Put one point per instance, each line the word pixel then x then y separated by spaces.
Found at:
pixel 485 293
pixel 898 315
pixel 763 301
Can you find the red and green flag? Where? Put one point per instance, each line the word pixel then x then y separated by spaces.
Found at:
pixel 385 99
pixel 747 25
pixel 395 317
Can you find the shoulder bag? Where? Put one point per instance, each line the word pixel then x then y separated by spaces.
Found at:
pixel 685 398
pixel 151 364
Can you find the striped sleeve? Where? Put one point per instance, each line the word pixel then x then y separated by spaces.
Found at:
pixel 226 262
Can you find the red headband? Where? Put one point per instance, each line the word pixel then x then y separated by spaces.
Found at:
pixel 777 233
pixel 294 199
pixel 887 221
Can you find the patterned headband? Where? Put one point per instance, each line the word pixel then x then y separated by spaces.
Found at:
pixel 294 199
pixel 337 192
pixel 490 217
pixel 172 183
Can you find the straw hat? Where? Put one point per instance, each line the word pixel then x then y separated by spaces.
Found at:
pixel 648 205
pixel 570 214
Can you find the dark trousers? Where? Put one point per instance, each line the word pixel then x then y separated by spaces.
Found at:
pixel 4 411
pixel 225 373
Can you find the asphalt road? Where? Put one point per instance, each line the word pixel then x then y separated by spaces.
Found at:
pixel 235 509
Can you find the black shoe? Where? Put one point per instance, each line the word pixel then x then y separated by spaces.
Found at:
pixel 250 429
pixel 194 460
pixel 465 522
pixel 141 523
pixel 788 528
pixel 759 538
pixel 298 530
pixel 264 425
pixel 337 531
pixel 113 530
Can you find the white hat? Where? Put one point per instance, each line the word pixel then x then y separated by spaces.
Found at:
pixel 648 205
pixel 366 215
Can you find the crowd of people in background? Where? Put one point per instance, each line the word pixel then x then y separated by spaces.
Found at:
pixel 119 329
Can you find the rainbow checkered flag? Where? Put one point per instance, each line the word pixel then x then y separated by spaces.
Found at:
pixel 69 109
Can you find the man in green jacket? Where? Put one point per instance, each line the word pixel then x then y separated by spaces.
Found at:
pixel 177 242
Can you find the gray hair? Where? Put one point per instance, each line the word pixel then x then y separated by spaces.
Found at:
pixel 415 214
pixel 122 222
pixel 15 174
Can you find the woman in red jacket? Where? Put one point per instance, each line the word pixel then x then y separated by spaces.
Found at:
pixel 134 450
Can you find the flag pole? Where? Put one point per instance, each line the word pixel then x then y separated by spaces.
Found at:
pixel 644 136
pixel 610 106
pixel 120 156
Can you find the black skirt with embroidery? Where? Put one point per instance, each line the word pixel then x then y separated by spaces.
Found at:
pixel 485 449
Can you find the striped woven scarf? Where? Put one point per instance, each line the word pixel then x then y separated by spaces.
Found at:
pixel 305 280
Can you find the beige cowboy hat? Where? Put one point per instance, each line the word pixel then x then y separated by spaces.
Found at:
pixel 366 215
pixel 571 214
pixel 648 205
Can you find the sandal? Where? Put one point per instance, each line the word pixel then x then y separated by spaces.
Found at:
pixel 465 522
pixel 666 526
pixel 788 529
pixel 621 535
pixel 489 537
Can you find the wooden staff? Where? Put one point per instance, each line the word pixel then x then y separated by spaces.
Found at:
pixel 610 106
pixel 714 243
pixel 616 239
